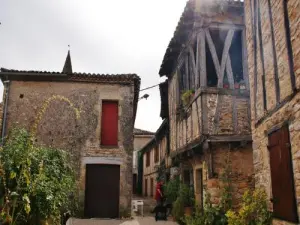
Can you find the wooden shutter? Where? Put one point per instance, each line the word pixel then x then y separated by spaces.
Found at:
pixel 284 201
pixel 109 123
pixel 147 159
pixel 156 154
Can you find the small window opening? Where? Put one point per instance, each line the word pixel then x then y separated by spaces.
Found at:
pixel 21 96
pixel 236 56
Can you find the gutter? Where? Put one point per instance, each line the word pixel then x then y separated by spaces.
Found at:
pixel 7 84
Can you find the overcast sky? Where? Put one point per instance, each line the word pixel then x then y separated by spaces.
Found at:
pixel 106 36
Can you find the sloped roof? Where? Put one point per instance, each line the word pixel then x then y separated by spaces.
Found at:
pixel 137 131
pixel 181 34
pixel 164 108
pixel 32 75
pixel 185 27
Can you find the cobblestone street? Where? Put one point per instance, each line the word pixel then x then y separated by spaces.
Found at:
pixel 136 221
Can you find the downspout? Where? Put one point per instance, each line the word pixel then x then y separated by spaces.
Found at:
pixel 6 84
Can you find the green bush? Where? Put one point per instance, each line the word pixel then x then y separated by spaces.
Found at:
pixel 187 195
pixel 36 182
pixel 254 210
pixel 178 209
pixel 171 189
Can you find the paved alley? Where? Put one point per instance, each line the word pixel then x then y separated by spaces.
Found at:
pixel 136 221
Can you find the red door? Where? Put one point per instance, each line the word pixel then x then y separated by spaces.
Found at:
pixel 109 123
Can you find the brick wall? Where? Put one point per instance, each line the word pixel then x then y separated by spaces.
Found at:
pixel 241 165
pixel 287 107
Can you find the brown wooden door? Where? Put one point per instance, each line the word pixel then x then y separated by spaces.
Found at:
pixel 284 201
pixel 102 191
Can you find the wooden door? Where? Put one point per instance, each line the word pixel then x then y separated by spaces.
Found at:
pixel 102 191
pixel 284 201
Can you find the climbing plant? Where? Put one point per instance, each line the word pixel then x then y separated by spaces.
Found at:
pixel 35 182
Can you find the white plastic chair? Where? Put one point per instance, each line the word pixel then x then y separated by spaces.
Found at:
pixel 135 204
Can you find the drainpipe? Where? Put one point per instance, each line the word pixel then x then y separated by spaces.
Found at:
pixel 6 84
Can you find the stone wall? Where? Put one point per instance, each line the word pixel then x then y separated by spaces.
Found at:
pixel 60 128
pixel 139 141
pixel 213 111
pixel 287 109
pixel 240 163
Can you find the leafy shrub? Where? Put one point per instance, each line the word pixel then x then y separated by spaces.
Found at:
pixel 178 209
pixel 187 195
pixel 171 189
pixel 254 210
pixel 210 215
pixel 36 182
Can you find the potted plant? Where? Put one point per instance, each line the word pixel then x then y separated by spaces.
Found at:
pixel 186 194
pixel 187 96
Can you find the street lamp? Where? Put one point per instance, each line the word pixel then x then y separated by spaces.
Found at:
pixel 145 96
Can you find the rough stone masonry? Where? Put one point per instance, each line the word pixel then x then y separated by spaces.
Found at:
pixel 59 126
pixel 273 47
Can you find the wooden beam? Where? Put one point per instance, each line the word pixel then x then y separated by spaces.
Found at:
pixel 261 48
pixel 234 114
pixel 213 52
pixel 186 65
pixel 202 61
pixel 289 45
pixel 193 65
pixel 229 73
pixel 225 55
pixel 276 76
pixel 229 138
pixel 198 117
pixel 245 60
pixel 217 114
pixel 204 113
pixel 254 27
pixel 197 76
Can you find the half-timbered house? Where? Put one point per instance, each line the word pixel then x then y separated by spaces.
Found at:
pixel 273 46
pixel 208 95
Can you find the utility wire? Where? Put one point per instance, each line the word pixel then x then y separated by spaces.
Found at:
pixel 149 87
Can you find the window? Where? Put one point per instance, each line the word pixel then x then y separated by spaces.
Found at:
pixel 284 200
pixel 156 154
pixel 148 159
pixel 109 123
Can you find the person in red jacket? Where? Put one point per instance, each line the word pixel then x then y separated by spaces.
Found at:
pixel 159 193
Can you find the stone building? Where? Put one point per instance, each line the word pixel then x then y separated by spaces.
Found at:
pixel 208 95
pixel 140 139
pixel 273 49
pixel 90 115
pixel 154 154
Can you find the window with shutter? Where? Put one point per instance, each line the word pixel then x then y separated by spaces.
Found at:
pixel 147 159
pixel 156 154
pixel 283 191
pixel 109 123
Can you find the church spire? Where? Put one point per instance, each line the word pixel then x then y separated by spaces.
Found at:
pixel 68 65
